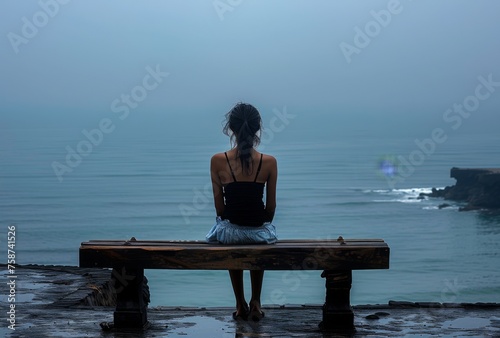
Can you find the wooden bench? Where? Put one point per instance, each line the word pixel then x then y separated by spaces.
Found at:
pixel 337 259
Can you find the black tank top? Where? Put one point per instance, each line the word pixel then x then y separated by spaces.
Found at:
pixel 244 203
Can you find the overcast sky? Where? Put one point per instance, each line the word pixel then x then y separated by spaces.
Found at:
pixel 85 57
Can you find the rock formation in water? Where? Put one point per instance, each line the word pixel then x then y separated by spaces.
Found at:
pixel 480 188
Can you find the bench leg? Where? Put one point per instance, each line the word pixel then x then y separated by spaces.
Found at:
pixel 132 297
pixel 337 310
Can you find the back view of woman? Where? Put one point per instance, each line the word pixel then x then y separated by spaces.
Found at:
pixel 239 177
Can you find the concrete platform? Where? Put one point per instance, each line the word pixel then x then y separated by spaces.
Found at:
pixel 53 301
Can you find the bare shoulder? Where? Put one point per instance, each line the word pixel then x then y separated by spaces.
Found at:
pixel 217 158
pixel 269 160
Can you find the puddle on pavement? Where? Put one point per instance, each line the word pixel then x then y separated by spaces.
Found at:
pixel 5 331
pixel 33 286
pixel 200 326
pixel 20 298
pixel 466 323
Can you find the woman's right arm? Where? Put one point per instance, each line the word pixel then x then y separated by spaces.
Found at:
pixel 271 189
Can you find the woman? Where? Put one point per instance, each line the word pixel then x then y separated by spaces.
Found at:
pixel 239 177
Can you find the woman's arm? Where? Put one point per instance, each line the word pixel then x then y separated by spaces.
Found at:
pixel 216 186
pixel 271 189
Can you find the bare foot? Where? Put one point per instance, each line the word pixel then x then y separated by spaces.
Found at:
pixel 241 312
pixel 256 312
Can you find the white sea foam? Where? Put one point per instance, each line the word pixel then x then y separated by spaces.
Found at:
pixel 408 195
pixel 401 200
pixel 436 207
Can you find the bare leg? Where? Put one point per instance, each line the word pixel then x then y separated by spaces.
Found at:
pixel 256 277
pixel 239 293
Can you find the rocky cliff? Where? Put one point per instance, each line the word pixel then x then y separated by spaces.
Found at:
pixel 480 188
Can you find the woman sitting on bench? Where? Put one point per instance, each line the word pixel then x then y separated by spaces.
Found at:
pixel 238 180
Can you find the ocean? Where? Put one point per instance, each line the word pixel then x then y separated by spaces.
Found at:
pixel 60 187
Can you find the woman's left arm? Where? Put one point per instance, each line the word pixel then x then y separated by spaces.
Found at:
pixel 216 186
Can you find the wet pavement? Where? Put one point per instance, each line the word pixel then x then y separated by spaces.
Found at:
pixel 56 301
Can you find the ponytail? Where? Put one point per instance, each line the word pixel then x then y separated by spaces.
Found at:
pixel 243 126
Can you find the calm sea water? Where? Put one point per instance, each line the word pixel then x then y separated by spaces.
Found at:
pixel 153 184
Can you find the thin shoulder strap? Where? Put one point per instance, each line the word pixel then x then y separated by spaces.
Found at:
pixel 258 169
pixel 232 173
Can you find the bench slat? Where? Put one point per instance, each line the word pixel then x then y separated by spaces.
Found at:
pixel 203 243
pixel 284 255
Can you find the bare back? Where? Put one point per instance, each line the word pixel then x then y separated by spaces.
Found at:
pixel 221 175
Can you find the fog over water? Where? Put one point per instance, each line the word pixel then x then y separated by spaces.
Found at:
pixel 379 63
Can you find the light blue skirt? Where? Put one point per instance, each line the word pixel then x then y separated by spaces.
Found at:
pixel 225 232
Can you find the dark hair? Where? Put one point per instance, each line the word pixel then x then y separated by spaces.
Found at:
pixel 243 124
